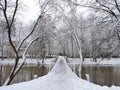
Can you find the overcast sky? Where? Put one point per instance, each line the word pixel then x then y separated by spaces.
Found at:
pixel 31 11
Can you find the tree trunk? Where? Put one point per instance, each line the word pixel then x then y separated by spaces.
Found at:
pixel 72 46
pixel 12 74
pixel 80 52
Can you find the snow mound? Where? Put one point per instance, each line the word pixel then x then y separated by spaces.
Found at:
pixel 61 77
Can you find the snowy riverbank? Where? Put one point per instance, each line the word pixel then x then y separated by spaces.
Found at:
pixel 87 61
pixel 60 78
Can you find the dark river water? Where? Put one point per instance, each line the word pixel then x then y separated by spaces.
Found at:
pixel 102 75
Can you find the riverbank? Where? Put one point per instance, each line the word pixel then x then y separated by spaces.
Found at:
pixel 61 77
pixel 87 61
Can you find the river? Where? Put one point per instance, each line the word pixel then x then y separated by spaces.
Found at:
pixel 102 75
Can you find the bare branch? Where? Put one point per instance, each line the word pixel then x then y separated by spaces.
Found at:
pixel 29 33
pixel 15 10
pixel 9 25
pixel 40 16
pixel 24 54
pixel 117 6
pixel 43 7
pixel 5 13
pixel 9 28
pixel 1 6
pixel 5 8
pixel 108 9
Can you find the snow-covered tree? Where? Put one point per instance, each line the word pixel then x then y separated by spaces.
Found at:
pixel 9 14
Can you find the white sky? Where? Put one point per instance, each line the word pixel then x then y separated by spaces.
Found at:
pixel 31 11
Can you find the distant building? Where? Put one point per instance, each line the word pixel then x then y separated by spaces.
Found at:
pixel 10 52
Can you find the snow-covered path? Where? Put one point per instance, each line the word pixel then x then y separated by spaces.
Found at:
pixel 61 77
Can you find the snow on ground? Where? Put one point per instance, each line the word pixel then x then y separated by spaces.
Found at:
pixel 112 61
pixel 88 61
pixel 61 77
pixel 29 61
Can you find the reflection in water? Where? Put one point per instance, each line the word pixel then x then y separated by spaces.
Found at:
pixel 102 75
pixel 25 74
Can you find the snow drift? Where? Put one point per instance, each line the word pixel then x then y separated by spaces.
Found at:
pixel 61 77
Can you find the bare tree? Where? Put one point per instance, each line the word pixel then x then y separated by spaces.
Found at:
pixel 110 6
pixel 4 6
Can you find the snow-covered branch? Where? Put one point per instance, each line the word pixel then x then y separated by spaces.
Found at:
pixel 19 46
pixel 25 51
